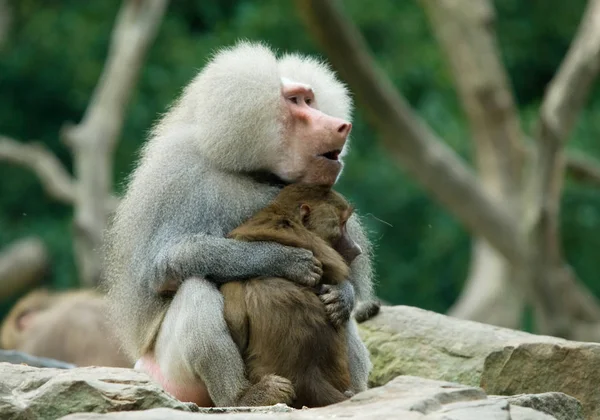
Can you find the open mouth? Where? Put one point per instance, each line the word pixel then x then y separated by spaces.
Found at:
pixel 332 155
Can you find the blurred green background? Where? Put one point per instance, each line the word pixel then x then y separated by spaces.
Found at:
pixel 56 49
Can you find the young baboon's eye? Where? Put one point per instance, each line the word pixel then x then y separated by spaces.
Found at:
pixel 308 101
pixel 294 99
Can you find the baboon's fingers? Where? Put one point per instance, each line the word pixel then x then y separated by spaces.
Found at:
pixel 367 310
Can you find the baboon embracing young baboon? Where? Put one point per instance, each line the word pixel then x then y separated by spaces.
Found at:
pixel 280 326
pixel 251 122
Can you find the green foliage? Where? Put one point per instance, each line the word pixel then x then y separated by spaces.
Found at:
pixel 56 51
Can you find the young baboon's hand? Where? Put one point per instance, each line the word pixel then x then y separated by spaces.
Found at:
pixel 271 389
pixel 303 268
pixel 338 301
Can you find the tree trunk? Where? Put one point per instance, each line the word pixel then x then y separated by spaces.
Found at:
pixel 94 140
pixel 488 295
pixel 464 29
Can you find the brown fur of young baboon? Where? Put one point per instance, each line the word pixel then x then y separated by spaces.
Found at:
pixel 282 327
pixel 69 326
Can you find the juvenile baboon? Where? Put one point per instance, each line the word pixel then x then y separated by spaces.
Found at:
pixel 69 326
pixel 281 327
pixel 246 126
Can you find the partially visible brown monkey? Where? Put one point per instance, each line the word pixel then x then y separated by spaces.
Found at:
pixel 281 327
pixel 69 326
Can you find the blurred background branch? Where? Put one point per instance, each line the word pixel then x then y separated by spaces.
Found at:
pixel 57 182
pixel 23 264
pixel 466 32
pixel 565 301
pixel 583 168
pixel 94 140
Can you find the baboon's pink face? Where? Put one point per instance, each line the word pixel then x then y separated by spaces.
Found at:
pixel 313 141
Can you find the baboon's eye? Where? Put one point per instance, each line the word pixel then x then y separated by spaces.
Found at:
pixel 308 101
pixel 294 99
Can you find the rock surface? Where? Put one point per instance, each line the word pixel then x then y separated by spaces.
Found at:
pixel 411 341
pixel 43 393
pixel 560 405
pixel 557 379
pixel 407 398
pixel 112 393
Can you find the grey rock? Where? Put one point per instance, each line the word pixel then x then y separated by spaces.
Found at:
pixel 475 410
pixel 410 341
pixel 572 368
pixel 455 356
pixel 524 413
pixel 43 393
pixel 559 405
pixel 405 397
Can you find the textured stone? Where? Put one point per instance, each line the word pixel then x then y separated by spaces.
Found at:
pixel 28 392
pixel 411 341
pixel 406 398
pixel 402 340
pixel 560 405
pixel 532 368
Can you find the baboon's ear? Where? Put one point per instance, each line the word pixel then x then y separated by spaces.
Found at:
pixel 304 213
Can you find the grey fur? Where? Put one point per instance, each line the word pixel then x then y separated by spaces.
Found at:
pixel 197 356
pixel 360 362
pixel 190 189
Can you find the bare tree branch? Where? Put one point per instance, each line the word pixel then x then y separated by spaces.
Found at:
pixel 52 174
pixel 561 106
pixel 406 136
pixel 94 140
pixel 583 168
pixel 465 31
pixel 22 264
pixel 569 89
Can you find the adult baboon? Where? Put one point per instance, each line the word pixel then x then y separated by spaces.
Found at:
pixel 247 125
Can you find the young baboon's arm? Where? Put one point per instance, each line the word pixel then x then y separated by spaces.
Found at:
pixel 340 300
pixel 222 259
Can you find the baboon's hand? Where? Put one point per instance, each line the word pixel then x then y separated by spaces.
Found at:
pixel 366 310
pixel 338 301
pixel 303 268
